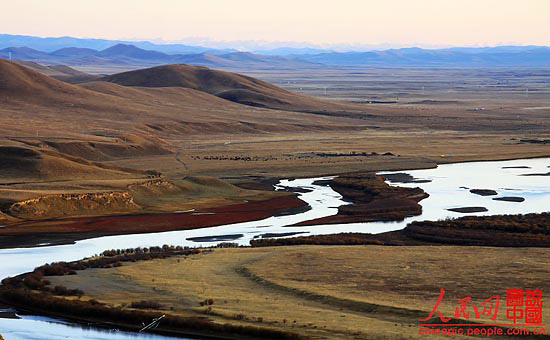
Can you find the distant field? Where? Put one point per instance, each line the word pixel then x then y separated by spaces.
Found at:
pixel 440 115
pixel 327 292
pixel 419 86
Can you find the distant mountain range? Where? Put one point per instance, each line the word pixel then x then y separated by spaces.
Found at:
pixel 75 51
pixel 287 51
pixel 123 54
pixel 53 44
pixel 460 56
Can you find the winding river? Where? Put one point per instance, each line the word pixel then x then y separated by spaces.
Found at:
pixel 448 185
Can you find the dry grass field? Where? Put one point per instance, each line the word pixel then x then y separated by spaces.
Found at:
pixel 325 292
pixel 441 115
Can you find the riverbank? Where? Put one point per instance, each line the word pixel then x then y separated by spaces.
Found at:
pixel 371 197
pixel 528 230
pixel 66 231
pixel 35 293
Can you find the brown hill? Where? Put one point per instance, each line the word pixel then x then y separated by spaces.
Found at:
pixel 17 80
pixel 30 85
pixel 37 97
pixel 60 72
pixel 24 163
pixel 153 103
pixel 194 77
pixel 227 85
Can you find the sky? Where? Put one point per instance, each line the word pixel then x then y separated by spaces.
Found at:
pixel 424 23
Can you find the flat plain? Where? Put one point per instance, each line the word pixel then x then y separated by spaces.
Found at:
pixel 323 292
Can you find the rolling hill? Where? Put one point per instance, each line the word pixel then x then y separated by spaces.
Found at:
pixel 24 162
pixel 152 103
pixel 17 81
pixel 130 51
pixel 60 72
pixel 245 60
pixel 226 85
pixel 24 53
pixel 131 56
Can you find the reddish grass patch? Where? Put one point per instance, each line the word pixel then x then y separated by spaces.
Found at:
pixel 127 224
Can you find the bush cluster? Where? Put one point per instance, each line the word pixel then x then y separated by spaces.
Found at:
pixel 108 259
pixel 499 230
pixel 527 223
pixel 331 239
pixel 95 310
pixel 146 304
pixel 236 158
pixel 207 302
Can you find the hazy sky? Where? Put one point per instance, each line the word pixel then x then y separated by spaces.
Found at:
pixel 410 22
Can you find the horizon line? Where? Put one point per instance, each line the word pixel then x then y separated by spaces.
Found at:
pixel 283 44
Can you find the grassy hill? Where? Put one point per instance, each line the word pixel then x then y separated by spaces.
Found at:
pixel 227 85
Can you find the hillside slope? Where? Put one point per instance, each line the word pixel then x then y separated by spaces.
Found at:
pixel 227 85
pixel 154 104
pixel 18 80
pixel 60 72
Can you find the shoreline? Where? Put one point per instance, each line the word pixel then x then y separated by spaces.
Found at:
pixel 104 324
pixel 92 227
pixel 16 293
pixel 436 163
pixel 491 160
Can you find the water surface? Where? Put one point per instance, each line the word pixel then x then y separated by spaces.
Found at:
pixel 29 327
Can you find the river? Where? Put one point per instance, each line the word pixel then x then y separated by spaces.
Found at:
pixel 448 185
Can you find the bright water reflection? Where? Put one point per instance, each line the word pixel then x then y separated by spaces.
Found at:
pixel 41 328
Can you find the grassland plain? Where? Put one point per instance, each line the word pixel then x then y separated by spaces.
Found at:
pixel 327 292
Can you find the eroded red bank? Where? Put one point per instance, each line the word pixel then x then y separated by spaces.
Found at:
pixel 27 233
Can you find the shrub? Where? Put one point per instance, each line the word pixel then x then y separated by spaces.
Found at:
pixel 207 302
pixel 146 305
pixel 64 291
pixel 227 245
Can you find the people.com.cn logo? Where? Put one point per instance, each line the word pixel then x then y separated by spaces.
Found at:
pixel 523 316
